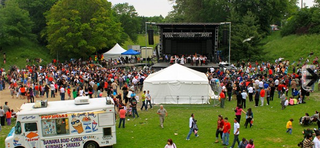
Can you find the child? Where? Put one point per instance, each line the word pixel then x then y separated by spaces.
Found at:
pixel 8 116
pixel 289 126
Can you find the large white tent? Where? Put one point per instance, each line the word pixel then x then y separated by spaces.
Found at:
pixel 178 84
pixel 114 52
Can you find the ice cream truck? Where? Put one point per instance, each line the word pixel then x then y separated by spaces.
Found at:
pixel 79 123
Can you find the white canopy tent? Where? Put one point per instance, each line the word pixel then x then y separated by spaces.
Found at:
pixel 178 84
pixel 114 52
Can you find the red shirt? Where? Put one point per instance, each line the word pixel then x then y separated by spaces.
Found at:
pixel 36 87
pixel 270 71
pixel 122 113
pixel 222 96
pixel 262 93
pixel 8 114
pixel 227 127
pixel 220 124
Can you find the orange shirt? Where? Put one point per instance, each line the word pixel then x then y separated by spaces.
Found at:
pixel 22 90
pixel 8 114
pixel 122 113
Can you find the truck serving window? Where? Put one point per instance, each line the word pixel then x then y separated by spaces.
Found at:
pixel 54 127
pixel 29 127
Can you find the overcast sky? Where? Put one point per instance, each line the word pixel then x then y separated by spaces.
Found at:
pixel 162 7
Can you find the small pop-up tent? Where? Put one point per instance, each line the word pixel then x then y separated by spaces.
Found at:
pixel 178 84
pixel 114 52
pixel 130 52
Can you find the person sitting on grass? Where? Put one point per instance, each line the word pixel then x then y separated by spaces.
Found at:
pixel 243 143
pixel 250 145
pixel 305 120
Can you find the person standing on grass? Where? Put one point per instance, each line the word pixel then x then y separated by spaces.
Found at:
pixel 220 124
pixel 250 91
pixel 148 97
pixel 226 131
pixel 122 114
pixel 289 126
pixel 8 116
pixel 244 98
pixel 2 116
pixel 283 100
pixel 238 111
pixel 222 99
pixel 162 112
pixel 143 99
pixel 134 107
pixel 191 127
pixel 236 132
pixel 249 117
pixel 262 95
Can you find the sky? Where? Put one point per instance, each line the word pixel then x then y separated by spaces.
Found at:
pixel 163 7
pixel 148 7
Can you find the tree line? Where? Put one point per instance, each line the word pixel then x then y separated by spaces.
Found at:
pixel 249 18
pixel 70 28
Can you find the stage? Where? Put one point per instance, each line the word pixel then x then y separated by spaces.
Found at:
pixel 203 68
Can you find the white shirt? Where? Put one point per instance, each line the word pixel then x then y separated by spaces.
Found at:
pixel 190 122
pixel 276 82
pixel 52 87
pixel 250 89
pixel 62 90
pixel 244 95
pixel 260 84
pixel 235 127
pixel 316 142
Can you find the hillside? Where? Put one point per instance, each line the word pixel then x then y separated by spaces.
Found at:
pixel 141 41
pixel 25 49
pixel 291 47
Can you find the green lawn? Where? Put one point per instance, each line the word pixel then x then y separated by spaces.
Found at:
pixel 25 49
pixel 291 47
pixel 268 130
pixel 141 41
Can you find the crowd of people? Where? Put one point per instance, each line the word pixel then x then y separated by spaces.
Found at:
pixel 256 82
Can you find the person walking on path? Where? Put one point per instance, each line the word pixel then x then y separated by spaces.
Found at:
pixel 143 99
pixel 222 99
pixel 122 114
pixel 162 112
pixel 62 92
pixel 191 127
pixel 289 126
pixel 236 132
pixel 220 124
pixel 226 132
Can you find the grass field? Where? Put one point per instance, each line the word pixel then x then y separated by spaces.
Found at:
pixel 268 130
pixel 25 49
pixel 141 41
pixel 290 47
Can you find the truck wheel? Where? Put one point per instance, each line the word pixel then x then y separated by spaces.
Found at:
pixel 91 145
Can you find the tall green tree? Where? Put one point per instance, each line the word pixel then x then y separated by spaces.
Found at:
pixel 15 23
pixel 80 28
pixel 127 15
pixel 36 9
pixel 243 28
